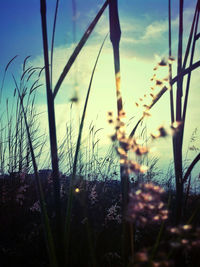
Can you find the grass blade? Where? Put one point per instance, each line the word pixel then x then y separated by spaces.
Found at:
pixel 70 197
pixel 4 75
pixel 188 172
pixel 53 38
pixel 115 35
pixel 24 64
pixel 179 68
pixel 186 71
pixel 189 76
pixel 190 38
pixel 78 49
pixel 52 133
pixel 170 65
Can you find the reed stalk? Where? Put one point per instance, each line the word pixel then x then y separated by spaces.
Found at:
pixel 51 114
pixel 177 144
pixel 115 36
pixel 180 114
pixel 170 65
pixel 52 136
pixel 181 111
pixel 196 16
pixel 53 39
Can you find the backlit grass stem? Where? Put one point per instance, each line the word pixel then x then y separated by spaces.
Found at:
pixel 52 133
pixel 53 38
pixel 181 111
pixel 170 65
pixel 4 75
pixel 115 36
pixel 177 143
pixel 78 49
pixel 190 73
pixel 78 144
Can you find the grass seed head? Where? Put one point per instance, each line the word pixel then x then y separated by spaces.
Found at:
pixel 145 205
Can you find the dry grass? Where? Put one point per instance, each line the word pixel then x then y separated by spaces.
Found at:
pixel 110 223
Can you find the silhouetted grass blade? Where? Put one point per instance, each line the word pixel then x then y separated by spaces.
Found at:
pixel 78 49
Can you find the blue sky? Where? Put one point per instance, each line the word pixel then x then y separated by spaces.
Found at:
pixel 21 25
pixel 144 27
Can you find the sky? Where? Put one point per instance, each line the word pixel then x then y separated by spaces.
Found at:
pixel 144 40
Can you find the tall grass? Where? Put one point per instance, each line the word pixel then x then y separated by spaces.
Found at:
pixel 52 136
pixel 45 218
pixel 52 127
pixel 21 144
pixel 180 113
pixel 115 34
pixel 67 231
pixel 15 153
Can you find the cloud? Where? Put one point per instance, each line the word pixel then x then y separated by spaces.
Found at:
pixel 134 33
pixel 155 30
pixel 155 34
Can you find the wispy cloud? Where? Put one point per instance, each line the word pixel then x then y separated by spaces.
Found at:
pixel 155 30
pixel 135 33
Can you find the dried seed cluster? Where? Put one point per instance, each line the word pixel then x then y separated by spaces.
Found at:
pixel 127 144
pixel 145 205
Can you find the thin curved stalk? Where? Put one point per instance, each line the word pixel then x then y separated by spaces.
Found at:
pixel 4 75
pixel 78 144
pixel 170 65
pixel 78 49
pixel 190 38
pixel 179 67
pixel 53 38
pixel 186 71
pixel 189 76
pixel 188 172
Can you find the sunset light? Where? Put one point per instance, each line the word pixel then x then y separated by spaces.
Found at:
pixel 99 133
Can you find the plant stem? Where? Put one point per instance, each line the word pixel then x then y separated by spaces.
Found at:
pixel 177 143
pixel 78 49
pixel 170 66
pixel 78 144
pixel 52 134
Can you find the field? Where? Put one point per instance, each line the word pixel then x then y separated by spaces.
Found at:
pixel 96 225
